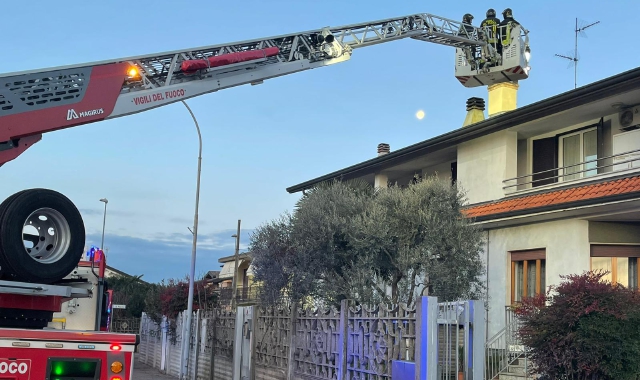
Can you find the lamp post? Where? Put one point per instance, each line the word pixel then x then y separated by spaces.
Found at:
pixel 234 284
pixel 100 281
pixel 104 221
pixel 187 328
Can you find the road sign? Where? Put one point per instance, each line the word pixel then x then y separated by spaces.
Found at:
pixel 119 306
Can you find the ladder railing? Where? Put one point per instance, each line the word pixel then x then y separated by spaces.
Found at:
pixel 163 69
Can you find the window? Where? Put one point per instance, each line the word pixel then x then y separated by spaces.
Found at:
pixel 577 148
pixel 562 157
pixel 620 260
pixel 528 271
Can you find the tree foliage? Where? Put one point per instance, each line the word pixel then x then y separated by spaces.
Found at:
pixel 168 298
pixel 584 328
pixel 130 291
pixel 349 240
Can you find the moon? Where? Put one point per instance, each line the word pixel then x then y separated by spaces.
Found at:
pixel 420 115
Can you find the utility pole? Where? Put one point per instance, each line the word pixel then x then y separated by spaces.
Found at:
pixel 235 271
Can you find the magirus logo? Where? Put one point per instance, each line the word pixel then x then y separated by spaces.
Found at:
pixel 72 114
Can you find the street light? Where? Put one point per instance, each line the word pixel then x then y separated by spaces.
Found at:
pixel 187 328
pixel 100 281
pixel 104 221
pixel 234 284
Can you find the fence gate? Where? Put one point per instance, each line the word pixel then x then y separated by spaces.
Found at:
pixel 242 346
pixel 460 340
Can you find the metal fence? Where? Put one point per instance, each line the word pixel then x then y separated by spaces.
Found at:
pixel 125 325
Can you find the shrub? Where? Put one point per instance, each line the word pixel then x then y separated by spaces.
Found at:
pixel 584 328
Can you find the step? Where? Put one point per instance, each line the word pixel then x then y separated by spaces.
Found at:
pixel 506 376
pixel 515 376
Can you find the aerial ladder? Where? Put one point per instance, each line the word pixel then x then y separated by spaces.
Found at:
pixel 41 231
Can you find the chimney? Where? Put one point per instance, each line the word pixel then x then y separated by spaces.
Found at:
pixel 502 98
pixel 383 148
pixel 475 111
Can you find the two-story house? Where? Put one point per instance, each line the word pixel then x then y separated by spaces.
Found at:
pixel 554 184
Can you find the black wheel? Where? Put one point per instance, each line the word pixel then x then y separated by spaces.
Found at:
pixel 42 236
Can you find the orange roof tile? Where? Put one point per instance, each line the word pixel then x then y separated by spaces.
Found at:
pixel 557 197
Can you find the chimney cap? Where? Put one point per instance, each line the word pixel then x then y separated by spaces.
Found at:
pixel 475 103
pixel 383 148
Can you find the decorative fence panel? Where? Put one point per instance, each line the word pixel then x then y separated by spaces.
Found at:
pixel 377 336
pixel 125 325
pixel 318 343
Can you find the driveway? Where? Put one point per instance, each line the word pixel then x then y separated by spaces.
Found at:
pixel 142 371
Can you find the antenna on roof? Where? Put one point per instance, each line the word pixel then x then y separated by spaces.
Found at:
pixel 573 55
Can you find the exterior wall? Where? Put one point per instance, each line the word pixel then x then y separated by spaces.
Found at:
pixel 567 252
pixel 381 180
pixel 485 162
pixel 614 233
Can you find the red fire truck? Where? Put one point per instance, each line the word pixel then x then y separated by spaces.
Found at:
pixel 27 354
pixel 30 350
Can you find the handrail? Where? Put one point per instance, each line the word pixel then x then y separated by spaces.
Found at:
pixel 576 172
pixel 498 349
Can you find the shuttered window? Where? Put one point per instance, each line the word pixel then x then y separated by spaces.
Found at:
pixel 621 261
pixel 528 271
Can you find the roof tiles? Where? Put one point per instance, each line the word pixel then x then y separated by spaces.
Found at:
pixel 557 197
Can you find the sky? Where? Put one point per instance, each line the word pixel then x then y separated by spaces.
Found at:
pixel 258 140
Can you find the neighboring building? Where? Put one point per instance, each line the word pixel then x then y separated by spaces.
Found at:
pixel 246 290
pixel 555 184
pixel 112 272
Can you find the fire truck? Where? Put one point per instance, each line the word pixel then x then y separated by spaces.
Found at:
pixel 42 233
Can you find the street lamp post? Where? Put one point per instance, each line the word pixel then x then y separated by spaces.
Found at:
pixel 187 328
pixel 234 284
pixel 100 295
pixel 104 221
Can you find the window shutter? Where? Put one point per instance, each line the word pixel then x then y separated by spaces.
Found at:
pixel 613 250
pixel 530 254
pixel 545 157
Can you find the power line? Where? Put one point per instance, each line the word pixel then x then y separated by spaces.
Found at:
pixel 573 56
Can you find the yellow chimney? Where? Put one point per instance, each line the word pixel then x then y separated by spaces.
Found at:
pixel 475 111
pixel 503 98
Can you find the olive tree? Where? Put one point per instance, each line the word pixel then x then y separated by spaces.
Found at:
pixel 349 240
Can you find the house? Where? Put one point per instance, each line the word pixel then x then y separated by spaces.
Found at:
pixel 555 184
pixel 246 290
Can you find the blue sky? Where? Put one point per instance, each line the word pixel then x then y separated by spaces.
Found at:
pixel 258 140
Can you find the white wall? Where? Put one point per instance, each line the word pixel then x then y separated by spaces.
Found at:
pixel 567 252
pixel 485 162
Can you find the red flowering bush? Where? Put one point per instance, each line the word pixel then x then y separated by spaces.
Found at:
pixel 584 328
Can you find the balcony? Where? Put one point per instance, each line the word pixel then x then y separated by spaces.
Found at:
pixel 245 295
pixel 625 163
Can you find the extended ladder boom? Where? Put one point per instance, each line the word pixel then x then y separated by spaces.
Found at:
pixel 39 101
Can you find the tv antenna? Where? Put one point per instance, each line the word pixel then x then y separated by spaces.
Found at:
pixel 573 55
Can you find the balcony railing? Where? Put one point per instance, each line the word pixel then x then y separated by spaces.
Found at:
pixel 600 167
pixel 244 295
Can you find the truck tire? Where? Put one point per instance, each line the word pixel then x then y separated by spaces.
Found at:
pixel 42 236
